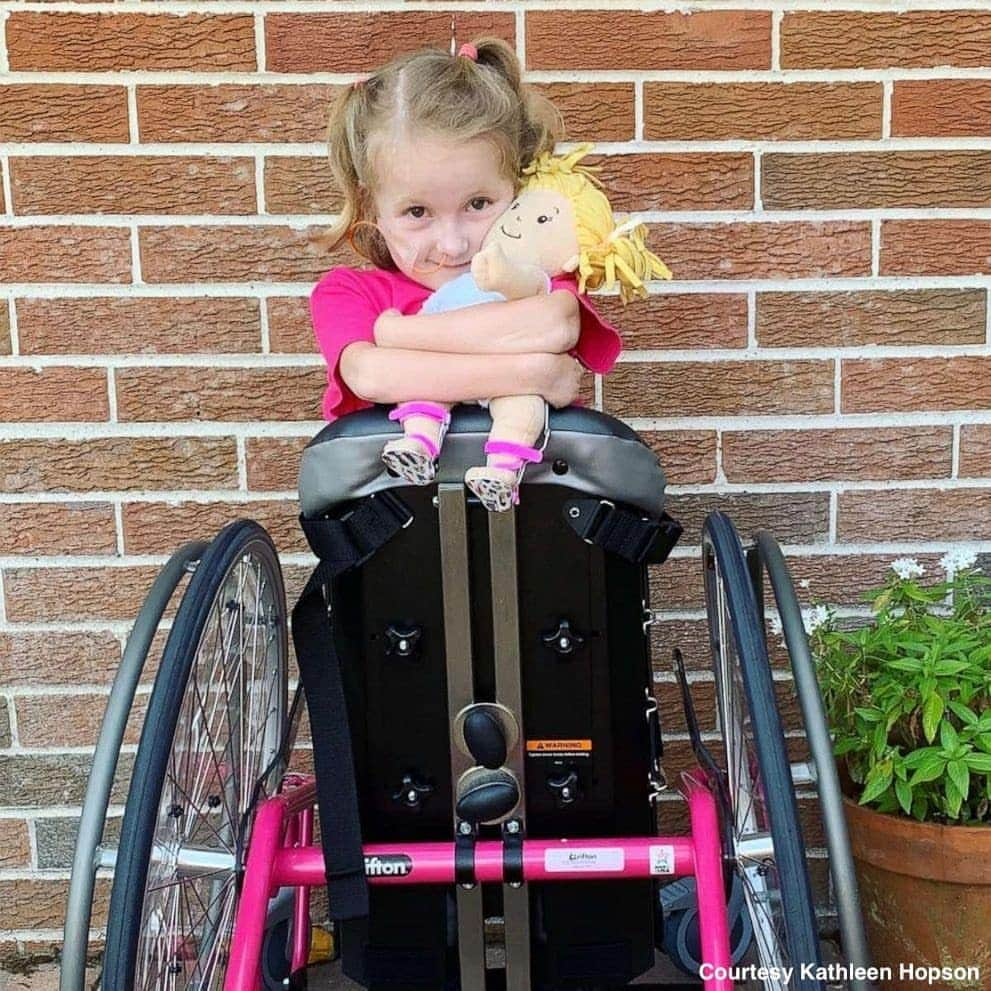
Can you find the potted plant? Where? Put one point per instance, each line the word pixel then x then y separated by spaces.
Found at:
pixel 908 698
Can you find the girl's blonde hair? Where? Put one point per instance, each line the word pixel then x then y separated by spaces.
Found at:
pixel 430 91
pixel 607 252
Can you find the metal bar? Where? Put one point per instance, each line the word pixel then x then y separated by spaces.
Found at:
pixel 594 858
pixel 509 692
pixel 453 523
pixel 88 856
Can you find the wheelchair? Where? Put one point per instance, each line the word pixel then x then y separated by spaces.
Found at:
pixel 485 739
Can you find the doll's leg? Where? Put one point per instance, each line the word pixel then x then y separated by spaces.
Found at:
pixel 413 456
pixel 518 423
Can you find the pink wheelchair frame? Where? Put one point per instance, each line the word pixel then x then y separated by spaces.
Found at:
pixel 280 854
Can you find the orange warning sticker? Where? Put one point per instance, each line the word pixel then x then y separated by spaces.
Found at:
pixel 558 746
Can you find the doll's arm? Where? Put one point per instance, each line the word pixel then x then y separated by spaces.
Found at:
pixel 549 324
pixel 494 271
pixel 394 375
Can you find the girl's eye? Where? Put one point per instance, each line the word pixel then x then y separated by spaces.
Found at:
pixel 480 203
pixel 544 219
pixel 417 212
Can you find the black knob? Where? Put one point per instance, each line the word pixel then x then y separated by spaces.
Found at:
pixel 402 640
pixel 485 738
pixel 565 786
pixel 413 792
pixel 486 795
pixel 564 640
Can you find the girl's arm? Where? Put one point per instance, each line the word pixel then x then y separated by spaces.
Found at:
pixel 395 375
pixel 549 324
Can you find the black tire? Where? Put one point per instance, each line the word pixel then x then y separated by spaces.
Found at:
pixel 189 796
pixel 767 850
pixel 765 556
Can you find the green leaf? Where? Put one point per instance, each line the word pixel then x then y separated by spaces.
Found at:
pixel 905 664
pixel 967 716
pixel 930 770
pixel 960 776
pixel 948 737
pixel 932 713
pixel 903 790
pixel 979 762
pixel 878 782
pixel 953 798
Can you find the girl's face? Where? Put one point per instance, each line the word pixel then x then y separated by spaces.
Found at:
pixel 435 201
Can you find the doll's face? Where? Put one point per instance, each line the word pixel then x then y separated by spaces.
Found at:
pixel 538 229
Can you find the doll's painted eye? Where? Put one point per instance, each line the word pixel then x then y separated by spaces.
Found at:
pixel 544 219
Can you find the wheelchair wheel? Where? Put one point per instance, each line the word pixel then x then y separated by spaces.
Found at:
pixel 210 750
pixel 765 838
pixel 765 555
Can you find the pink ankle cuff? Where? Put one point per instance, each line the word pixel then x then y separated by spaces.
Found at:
pixel 431 410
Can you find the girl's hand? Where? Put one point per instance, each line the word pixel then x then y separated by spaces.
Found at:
pixel 563 380
pixel 560 324
pixel 386 325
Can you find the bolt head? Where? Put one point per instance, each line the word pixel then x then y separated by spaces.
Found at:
pixel 464 828
pixel 512 826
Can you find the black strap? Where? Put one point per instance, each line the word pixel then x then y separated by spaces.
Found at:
pixel 341 544
pixel 632 536
pixel 512 853
pixel 464 856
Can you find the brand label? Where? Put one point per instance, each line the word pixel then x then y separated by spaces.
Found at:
pixel 388 865
pixel 583 858
pixel 662 860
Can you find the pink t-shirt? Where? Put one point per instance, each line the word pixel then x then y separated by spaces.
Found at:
pixel 346 302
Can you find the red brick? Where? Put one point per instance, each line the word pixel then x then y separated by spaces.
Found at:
pixel 58 112
pixel 362 42
pixel 53 394
pixel 248 113
pixel 57 253
pixel 935 247
pixel 879 453
pixel 761 111
pixel 675 320
pixel 721 388
pixel 57 528
pixel 118 464
pixel 865 180
pixel 946 108
pixel 229 394
pixel 5 341
pixel 138 325
pixel 875 40
pixel 73 42
pixel 70 720
pixel 678 182
pixel 593 111
pixel 15 849
pixel 133 184
pixel 289 327
pixel 620 39
pixel 53 658
pixel 793 517
pixel 273 462
pixel 913 514
pixel 887 385
pixel 686 456
pixel 35 903
pixel 789 249
pixel 300 185
pixel 852 319
pixel 235 254
pixel 975 450
pixel 67 594
pixel 158 528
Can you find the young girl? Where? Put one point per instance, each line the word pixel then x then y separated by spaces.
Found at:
pixel 427 152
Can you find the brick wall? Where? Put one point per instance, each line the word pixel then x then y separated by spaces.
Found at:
pixel 817 174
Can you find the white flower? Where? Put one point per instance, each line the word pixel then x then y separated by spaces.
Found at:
pixel 774 621
pixel 804 583
pixel 907 567
pixel 959 560
pixel 817 617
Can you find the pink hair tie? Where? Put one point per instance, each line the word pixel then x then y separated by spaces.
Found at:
pixel 469 51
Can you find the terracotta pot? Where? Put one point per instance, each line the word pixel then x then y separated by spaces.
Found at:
pixel 926 894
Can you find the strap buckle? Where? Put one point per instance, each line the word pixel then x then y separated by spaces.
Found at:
pixel 599 516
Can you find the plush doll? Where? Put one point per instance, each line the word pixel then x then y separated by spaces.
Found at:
pixel 561 222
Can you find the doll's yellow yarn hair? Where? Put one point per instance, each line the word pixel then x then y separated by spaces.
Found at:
pixel 607 253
